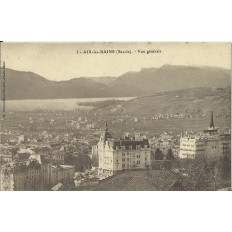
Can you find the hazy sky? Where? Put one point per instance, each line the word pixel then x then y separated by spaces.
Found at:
pixel 60 61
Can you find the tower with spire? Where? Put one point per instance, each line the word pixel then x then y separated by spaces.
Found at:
pixel 106 126
pixel 211 125
pixel 211 129
pixel 106 135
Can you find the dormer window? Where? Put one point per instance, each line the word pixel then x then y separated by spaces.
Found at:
pixel 138 147
pixel 130 147
pixel 123 147
pixel 145 146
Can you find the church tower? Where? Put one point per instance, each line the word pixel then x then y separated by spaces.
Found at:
pixel 211 129
pixel 211 125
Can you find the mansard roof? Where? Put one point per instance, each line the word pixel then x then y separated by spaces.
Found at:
pixel 130 143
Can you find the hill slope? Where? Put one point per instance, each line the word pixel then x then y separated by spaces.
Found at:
pixel 188 101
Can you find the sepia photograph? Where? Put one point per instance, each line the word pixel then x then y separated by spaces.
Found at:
pixel 115 116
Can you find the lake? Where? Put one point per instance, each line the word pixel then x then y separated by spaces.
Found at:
pixel 55 104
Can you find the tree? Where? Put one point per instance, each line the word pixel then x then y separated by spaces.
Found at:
pixel 225 166
pixel 158 154
pixel 68 158
pixel 199 174
pixel 152 154
pixel 82 162
pixel 170 155
pixel 95 161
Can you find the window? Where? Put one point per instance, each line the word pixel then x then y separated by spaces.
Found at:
pixel 138 156
pixel 123 154
pixel 138 162
pixel 145 146
pixel 138 147
pixel 117 147
pixel 123 159
pixel 127 159
pixel 123 165
pixel 123 147
pixel 130 147
pixel 145 158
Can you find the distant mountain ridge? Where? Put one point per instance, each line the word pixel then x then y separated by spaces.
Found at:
pixel 103 80
pixel 148 81
pixel 28 85
pixel 167 78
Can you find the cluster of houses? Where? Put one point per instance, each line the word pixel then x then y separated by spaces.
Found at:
pixel 177 115
pixel 17 149
pixel 166 141
pixel 164 116
pixel 80 123
pixel 38 161
pixel 30 170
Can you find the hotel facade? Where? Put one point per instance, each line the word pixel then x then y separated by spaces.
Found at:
pixel 124 154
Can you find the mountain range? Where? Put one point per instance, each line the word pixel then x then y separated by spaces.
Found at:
pixel 148 81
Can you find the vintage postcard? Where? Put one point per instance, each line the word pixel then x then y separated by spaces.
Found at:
pixel 115 116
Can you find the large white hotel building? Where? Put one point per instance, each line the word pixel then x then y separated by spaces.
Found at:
pixel 118 155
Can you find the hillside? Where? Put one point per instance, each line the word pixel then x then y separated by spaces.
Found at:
pixel 28 85
pixel 188 101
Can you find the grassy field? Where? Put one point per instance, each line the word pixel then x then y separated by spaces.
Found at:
pixel 138 181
